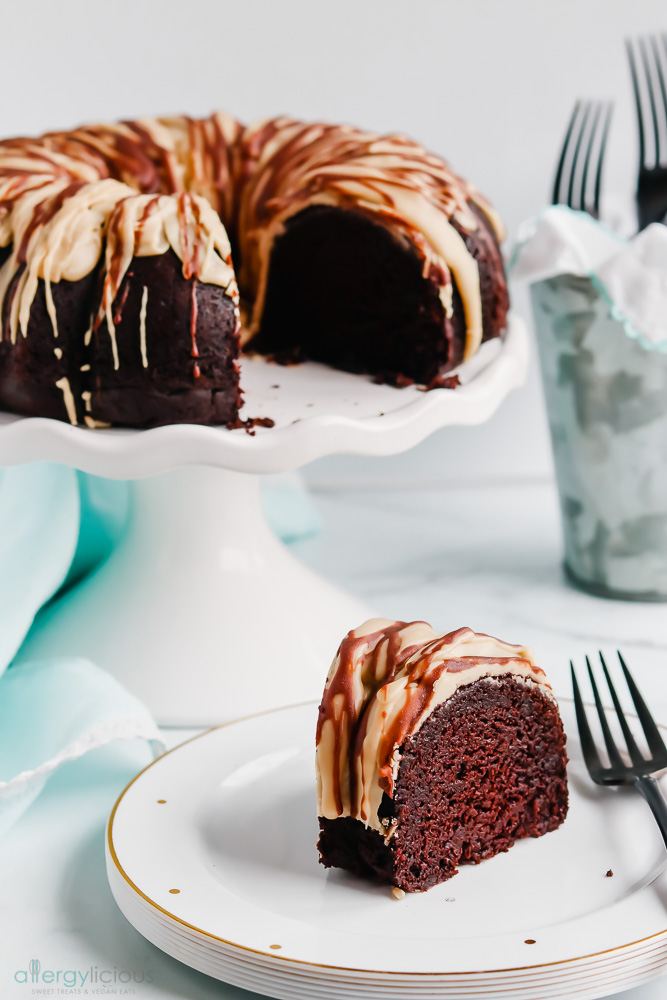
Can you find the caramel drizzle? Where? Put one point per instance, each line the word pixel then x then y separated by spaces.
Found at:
pixel 191 265
pixel 309 163
pixel 339 703
pixel 43 213
pixel 291 165
pixel 255 177
pixel 359 684
pixel 137 155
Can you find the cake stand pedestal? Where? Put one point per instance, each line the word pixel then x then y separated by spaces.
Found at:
pixel 200 610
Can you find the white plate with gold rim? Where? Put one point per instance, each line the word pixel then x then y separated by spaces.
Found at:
pixel 211 855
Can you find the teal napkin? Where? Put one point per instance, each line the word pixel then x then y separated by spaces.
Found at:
pixel 56 526
pixel 39 530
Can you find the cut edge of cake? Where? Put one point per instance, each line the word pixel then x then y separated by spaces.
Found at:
pixel 434 750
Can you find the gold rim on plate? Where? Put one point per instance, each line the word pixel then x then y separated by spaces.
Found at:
pixel 323 965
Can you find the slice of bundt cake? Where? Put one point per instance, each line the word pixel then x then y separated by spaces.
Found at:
pixel 434 751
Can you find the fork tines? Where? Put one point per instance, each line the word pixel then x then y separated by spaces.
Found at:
pixel 618 771
pixel 579 171
pixel 648 68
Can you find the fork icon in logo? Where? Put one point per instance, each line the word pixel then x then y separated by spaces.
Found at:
pixel 34 969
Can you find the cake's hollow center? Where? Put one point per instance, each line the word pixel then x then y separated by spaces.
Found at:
pixel 349 292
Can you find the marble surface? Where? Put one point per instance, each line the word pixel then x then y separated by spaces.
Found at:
pixel 488 557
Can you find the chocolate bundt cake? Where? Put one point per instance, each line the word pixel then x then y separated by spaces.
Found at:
pixel 434 751
pixel 123 248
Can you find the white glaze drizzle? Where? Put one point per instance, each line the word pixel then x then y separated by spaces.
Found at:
pixel 381 672
pixel 68 397
pixel 65 196
pixel 142 327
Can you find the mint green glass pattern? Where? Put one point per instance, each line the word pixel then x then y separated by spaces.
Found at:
pixel 606 397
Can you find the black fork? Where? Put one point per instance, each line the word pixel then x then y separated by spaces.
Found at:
pixel 579 170
pixel 640 769
pixel 648 68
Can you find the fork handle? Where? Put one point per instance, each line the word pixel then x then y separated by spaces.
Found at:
pixel 650 789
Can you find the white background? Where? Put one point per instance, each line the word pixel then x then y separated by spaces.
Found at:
pixel 489 84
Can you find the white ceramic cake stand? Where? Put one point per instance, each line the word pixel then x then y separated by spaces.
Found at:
pixel 200 610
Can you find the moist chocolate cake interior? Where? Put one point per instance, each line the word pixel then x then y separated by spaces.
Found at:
pixel 485 769
pixel 346 291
